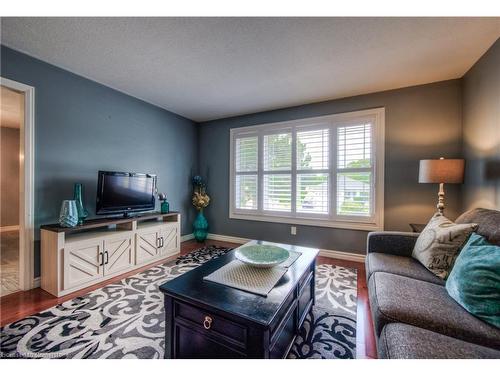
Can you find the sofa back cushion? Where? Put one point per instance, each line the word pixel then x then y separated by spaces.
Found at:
pixel 474 281
pixel 488 223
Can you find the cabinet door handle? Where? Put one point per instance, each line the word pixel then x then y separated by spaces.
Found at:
pixel 162 242
pixel 107 257
pixel 101 254
pixel 207 323
pixel 158 242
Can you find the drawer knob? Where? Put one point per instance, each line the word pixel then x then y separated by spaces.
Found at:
pixel 207 323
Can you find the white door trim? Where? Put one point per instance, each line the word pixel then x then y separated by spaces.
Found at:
pixel 26 184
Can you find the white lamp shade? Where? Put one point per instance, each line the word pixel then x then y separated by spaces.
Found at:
pixel 438 171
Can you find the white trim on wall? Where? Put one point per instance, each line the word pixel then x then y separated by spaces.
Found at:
pixel 343 255
pixel 26 185
pixel 353 257
pixel 187 237
pixel 221 237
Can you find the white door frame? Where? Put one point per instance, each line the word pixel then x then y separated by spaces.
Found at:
pixel 26 184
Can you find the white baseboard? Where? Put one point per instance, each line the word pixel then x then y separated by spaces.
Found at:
pixel 220 237
pixel 187 237
pixel 9 228
pixel 36 282
pixel 343 255
pixel 322 252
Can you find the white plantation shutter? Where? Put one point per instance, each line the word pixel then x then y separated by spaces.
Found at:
pixel 312 149
pixel 354 170
pixel 278 152
pixel 325 171
pixel 277 192
pixel 313 156
pixel 277 187
pixel 246 192
pixel 246 154
pixel 246 179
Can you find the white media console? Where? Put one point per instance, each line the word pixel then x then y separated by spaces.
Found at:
pixel 78 257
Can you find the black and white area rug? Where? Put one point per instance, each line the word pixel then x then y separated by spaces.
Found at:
pixel 126 319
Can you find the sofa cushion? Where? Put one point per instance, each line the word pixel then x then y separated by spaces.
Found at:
pixel 488 223
pixel 474 281
pixel 395 298
pixel 402 341
pixel 399 265
pixel 395 243
pixel 439 244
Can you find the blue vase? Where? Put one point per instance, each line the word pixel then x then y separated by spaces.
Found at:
pixel 200 227
pixel 68 217
pixel 165 207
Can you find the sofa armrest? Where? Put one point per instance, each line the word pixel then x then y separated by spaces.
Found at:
pixel 395 243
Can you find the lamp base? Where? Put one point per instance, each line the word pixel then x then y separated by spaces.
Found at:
pixel 440 205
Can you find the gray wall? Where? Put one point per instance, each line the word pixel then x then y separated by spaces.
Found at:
pixel 82 126
pixel 481 123
pixel 9 178
pixel 421 122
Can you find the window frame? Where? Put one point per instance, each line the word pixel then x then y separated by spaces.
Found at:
pixel 374 222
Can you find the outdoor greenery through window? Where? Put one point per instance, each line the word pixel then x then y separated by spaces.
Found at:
pixel 321 169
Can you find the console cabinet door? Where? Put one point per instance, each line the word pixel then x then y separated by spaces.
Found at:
pixel 170 237
pixel 146 245
pixel 118 254
pixel 82 262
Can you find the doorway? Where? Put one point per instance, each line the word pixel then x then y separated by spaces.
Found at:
pixel 16 187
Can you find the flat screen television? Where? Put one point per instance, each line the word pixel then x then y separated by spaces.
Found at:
pixel 124 192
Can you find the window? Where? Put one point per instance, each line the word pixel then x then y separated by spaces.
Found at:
pixel 323 171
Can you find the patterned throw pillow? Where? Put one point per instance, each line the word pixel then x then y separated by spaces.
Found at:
pixel 439 244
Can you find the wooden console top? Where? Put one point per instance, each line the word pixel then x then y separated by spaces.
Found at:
pixel 97 223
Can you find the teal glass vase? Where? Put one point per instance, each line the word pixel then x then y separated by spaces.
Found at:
pixel 200 227
pixel 78 197
pixel 165 207
pixel 68 217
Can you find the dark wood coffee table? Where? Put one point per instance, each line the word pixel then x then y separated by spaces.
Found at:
pixel 208 320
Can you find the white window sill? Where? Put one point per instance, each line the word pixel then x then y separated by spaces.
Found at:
pixel 368 226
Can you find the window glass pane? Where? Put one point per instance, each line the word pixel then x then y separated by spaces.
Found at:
pixel 353 193
pixel 312 193
pixel 354 146
pixel 246 192
pixel 278 152
pixel 246 154
pixel 312 149
pixel 278 192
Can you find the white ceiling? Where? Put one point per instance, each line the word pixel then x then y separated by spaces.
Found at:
pixel 208 68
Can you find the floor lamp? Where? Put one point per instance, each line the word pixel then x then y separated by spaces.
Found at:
pixel 441 171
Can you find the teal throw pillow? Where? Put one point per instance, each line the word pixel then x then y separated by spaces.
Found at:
pixel 474 281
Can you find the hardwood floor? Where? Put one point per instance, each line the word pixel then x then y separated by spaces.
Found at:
pixel 21 304
pixel 9 260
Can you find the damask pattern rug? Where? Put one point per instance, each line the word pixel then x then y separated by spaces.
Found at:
pixel 126 319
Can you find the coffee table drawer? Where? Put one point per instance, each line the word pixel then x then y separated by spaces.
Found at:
pixel 192 344
pixel 212 323
pixel 305 298
pixel 283 337
pixel 282 314
pixel 305 278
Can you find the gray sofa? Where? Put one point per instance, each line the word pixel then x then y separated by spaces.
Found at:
pixel 413 315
